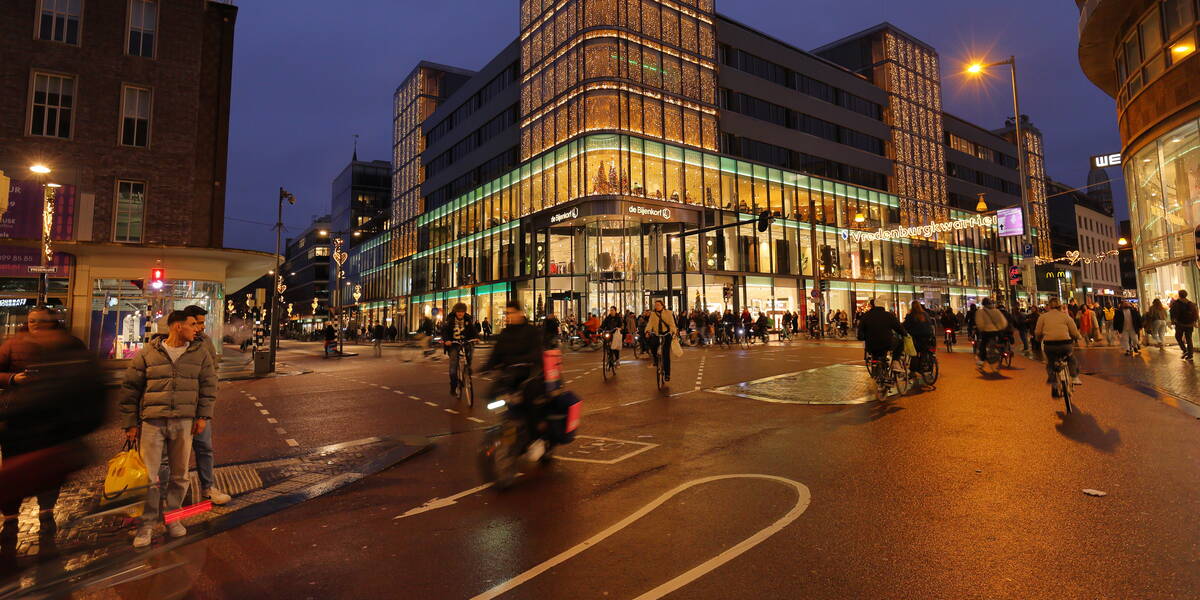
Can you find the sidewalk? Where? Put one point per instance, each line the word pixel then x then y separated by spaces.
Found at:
pixel 1157 372
pixel 76 551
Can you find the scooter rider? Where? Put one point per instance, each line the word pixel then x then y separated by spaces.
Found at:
pixel 518 356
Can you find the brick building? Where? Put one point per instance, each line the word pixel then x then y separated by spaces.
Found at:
pixel 127 103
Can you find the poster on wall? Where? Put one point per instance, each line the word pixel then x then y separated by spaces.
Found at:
pixel 15 262
pixel 22 220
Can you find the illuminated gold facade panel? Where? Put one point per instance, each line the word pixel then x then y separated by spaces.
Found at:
pixel 584 61
pixel 1035 166
pixel 913 82
pixel 414 101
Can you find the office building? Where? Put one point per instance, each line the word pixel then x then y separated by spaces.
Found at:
pixel 126 104
pixel 564 172
pixel 1143 54
pixel 1078 223
pixel 305 270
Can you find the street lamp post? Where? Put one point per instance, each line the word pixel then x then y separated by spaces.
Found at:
pixel 278 287
pixel 48 192
pixel 339 257
pixel 1026 213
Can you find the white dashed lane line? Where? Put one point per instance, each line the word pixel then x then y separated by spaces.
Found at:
pixel 431 404
pixel 473 419
pixel 272 421
pixel 451 411
pixel 258 404
pixel 264 412
pixel 280 431
pixel 413 397
pixel 292 443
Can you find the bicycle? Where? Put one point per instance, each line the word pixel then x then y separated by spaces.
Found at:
pixel 724 337
pixel 660 376
pixel 1063 385
pixel 609 362
pixel 1006 353
pixel 951 338
pixel 886 378
pixel 466 387
pixel 927 366
pixel 743 338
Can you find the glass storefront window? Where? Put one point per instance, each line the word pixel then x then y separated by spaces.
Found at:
pixel 124 315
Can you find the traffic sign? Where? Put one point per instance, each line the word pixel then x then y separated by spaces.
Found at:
pixel 815 293
pixel 39 269
pixel 1027 250
pixel 1014 275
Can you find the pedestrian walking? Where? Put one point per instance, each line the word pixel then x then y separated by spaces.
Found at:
pixel 330 338
pixel 377 333
pixel 34 424
pixel 1184 317
pixel 487 327
pixel 393 333
pixel 1155 322
pixel 1087 324
pixel 1128 324
pixel 166 398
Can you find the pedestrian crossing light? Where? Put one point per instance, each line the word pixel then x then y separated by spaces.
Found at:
pixel 157 275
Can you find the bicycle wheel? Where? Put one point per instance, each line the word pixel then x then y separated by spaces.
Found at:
pixel 466 391
pixel 932 370
pixel 1007 359
pixel 606 365
pixel 1066 389
pixel 660 376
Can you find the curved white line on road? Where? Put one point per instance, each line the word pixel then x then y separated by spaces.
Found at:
pixel 803 497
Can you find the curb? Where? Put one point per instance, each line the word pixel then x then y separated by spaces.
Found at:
pixel 122 567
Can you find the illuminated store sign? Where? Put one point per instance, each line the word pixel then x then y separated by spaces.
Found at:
pixel 648 211
pixel 1106 160
pixel 920 230
pixel 567 214
pixel 1012 222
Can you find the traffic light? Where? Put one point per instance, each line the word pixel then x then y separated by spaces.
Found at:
pixel 157 275
pixel 824 285
pixel 764 221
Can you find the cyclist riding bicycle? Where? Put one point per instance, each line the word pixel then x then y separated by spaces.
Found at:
pixel 457 331
pixel 919 324
pixel 661 328
pixel 1058 334
pixel 882 333
pixel 612 324
pixel 761 326
pixel 950 321
pixel 991 324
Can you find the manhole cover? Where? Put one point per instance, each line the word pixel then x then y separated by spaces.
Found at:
pixel 833 384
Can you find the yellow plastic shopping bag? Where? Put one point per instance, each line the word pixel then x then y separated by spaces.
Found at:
pixel 910 349
pixel 127 480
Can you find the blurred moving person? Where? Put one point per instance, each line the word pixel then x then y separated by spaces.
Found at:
pixel 166 399
pixel 51 395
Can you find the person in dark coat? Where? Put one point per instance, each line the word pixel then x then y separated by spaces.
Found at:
pixel 518 352
pixel 881 332
pixel 1127 322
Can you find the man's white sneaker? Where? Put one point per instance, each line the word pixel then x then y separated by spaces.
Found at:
pixel 216 495
pixel 176 529
pixel 145 534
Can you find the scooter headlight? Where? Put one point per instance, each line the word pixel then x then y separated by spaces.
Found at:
pixel 495 404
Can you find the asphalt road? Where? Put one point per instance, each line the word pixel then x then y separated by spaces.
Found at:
pixel 971 490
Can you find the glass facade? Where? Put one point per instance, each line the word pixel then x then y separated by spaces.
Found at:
pixel 585 224
pixel 1163 182
pixel 1163 37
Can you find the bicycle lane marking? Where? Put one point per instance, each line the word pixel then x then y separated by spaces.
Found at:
pixel 803 498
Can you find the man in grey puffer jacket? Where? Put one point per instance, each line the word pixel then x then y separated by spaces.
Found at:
pixel 167 397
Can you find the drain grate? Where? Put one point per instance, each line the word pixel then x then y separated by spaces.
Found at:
pixel 232 480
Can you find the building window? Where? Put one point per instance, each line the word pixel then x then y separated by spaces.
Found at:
pixel 143 23
pixel 131 205
pixel 53 101
pixel 135 116
pixel 59 21
pixel 321 250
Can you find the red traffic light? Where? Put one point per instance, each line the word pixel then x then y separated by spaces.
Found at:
pixel 157 274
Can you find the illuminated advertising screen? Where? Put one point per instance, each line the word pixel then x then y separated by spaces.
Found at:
pixel 1011 222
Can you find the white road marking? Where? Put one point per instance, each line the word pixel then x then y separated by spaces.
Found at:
pixel 258 404
pixel 413 397
pixel 280 431
pixel 385 387
pixel 398 392
pixel 431 404
pixel 473 419
pixel 265 412
pixel 251 397
pixel 451 411
pixel 292 443
pixel 437 503
pixel 272 421
pixel 803 498
pixel 644 447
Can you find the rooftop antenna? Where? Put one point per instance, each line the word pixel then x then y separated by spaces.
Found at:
pixel 355 148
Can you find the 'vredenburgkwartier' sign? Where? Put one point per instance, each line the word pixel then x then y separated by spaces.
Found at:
pixel 920 230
